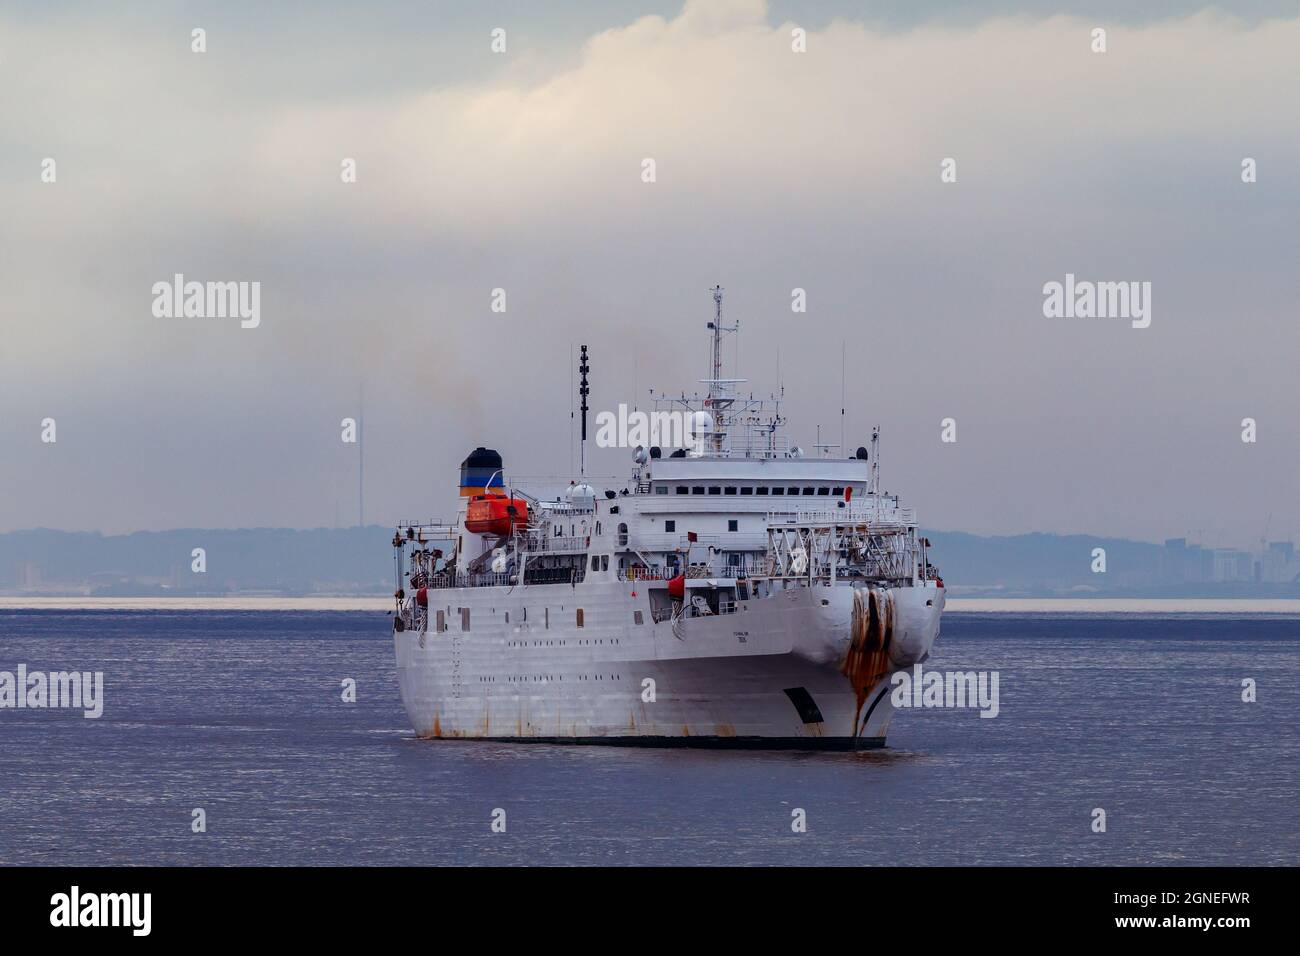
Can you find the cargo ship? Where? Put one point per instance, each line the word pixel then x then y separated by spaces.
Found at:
pixel 732 592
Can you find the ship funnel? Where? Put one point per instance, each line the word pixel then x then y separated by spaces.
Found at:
pixel 480 471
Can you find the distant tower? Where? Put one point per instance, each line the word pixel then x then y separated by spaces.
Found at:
pixel 361 456
pixel 721 397
pixel 716 326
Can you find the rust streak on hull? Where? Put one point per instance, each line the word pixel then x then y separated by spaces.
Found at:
pixel 867 659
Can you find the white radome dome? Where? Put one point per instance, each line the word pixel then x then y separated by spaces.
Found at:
pixel 581 495
pixel 701 424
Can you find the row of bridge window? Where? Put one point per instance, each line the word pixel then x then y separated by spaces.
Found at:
pixel 759 490
pixel 440 618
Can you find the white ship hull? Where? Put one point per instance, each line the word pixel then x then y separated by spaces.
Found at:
pixel 780 671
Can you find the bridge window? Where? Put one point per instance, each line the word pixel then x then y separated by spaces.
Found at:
pixel 682 490
pixel 747 490
pixel 777 490
pixel 794 491
pixel 731 489
pixel 661 489
pixel 810 491
pixel 715 489
pixel 823 491
pixel 697 489
pixel 837 492
pixel 761 490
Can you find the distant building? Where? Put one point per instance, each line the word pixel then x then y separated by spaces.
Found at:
pixel 1232 566
pixel 1183 563
pixel 29 575
pixel 1279 564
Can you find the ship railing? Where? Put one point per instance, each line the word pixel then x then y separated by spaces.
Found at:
pixel 564 509
pixel 757 442
pixel 719 541
pixel 689 610
pixel 465 579
pixel 878 572
pixel 553 575
pixel 643 573
pixel 721 571
pixel 534 542
pixel 551 488
pixel 868 515
pixel 426 532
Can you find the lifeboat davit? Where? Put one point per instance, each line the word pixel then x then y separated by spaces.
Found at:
pixel 495 514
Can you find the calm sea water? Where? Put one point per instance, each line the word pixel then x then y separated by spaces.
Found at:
pixel 240 713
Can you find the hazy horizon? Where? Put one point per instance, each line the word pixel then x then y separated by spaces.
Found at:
pixel 775 170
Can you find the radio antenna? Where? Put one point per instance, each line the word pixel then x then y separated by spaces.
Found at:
pixel 843 348
pixel 583 392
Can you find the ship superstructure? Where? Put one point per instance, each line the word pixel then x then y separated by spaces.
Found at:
pixel 733 592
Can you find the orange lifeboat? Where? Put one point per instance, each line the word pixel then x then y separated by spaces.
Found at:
pixel 495 514
pixel 677 587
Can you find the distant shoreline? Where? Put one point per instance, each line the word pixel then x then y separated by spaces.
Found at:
pixel 1276 606
pixel 379 604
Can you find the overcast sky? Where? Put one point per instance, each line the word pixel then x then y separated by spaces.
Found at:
pixel 523 171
